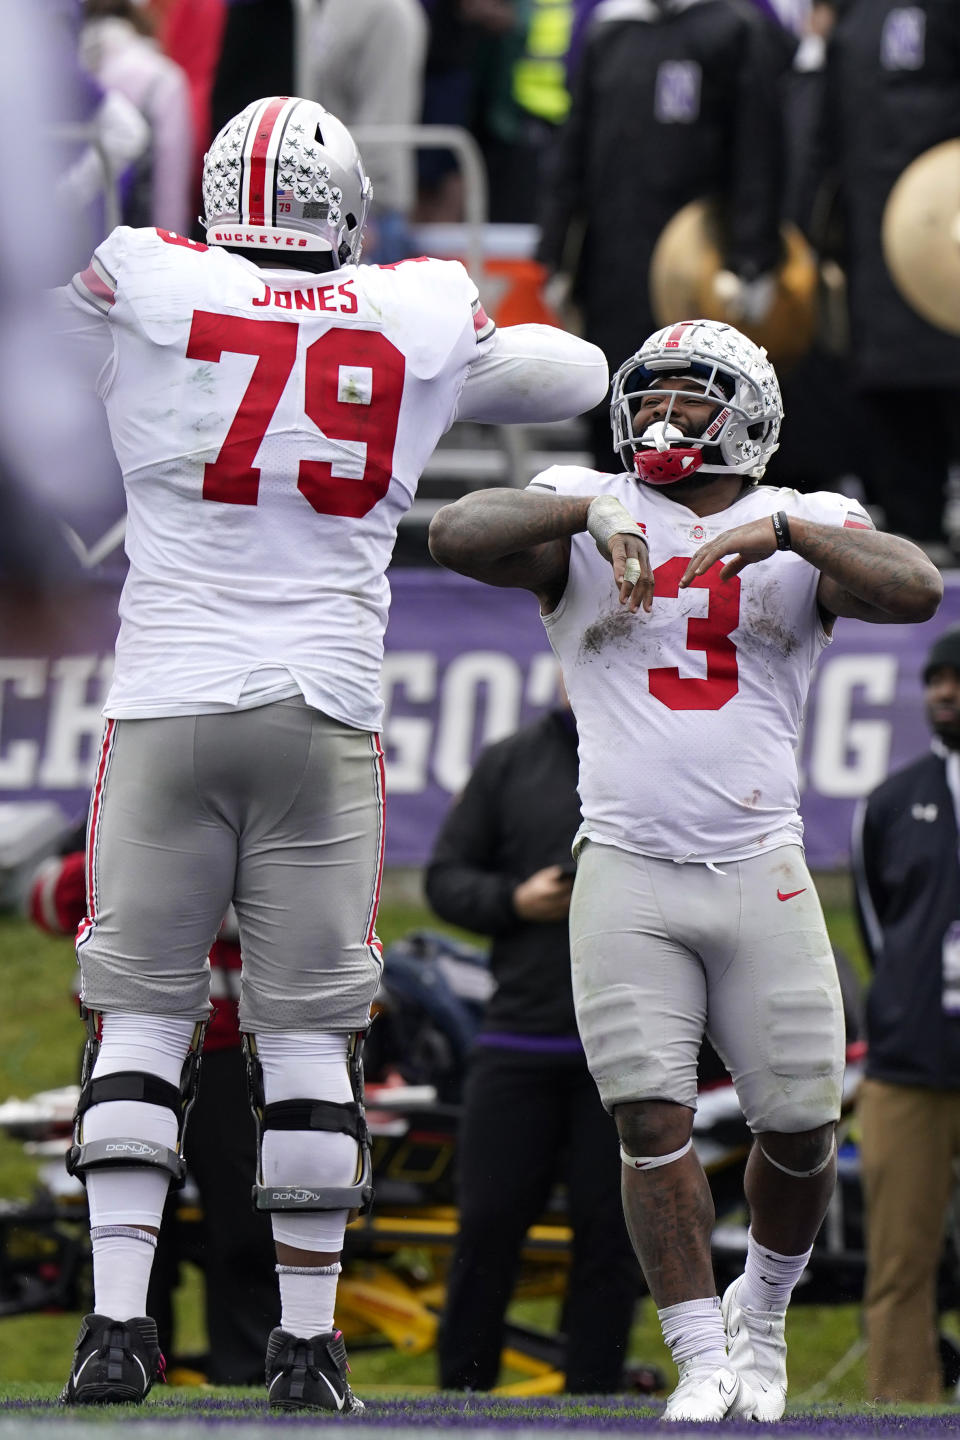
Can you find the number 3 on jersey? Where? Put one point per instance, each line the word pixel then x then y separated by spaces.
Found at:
pixel 709 633
pixel 233 479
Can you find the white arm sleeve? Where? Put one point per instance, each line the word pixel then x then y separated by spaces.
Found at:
pixel 533 373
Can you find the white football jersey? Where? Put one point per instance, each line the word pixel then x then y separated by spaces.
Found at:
pixel 689 716
pixel 271 426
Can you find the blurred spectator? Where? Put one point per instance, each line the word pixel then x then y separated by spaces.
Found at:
pixel 117 47
pixel 893 91
pixel 501 866
pixel 907 880
pixel 446 101
pixel 91 165
pixel 366 62
pixel 256 57
pixel 498 68
pixel 821 445
pixel 524 98
pixel 673 101
pixel 50 432
pixel 191 33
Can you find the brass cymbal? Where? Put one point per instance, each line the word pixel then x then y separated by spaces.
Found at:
pixel 686 281
pixel 921 235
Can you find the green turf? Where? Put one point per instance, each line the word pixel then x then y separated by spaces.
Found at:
pixel 40 1040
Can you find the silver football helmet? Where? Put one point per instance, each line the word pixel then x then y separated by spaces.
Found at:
pixel 285 175
pixel 742 433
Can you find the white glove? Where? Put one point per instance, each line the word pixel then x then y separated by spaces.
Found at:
pixel 748 300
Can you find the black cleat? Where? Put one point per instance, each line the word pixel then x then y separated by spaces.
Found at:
pixel 309 1374
pixel 115 1361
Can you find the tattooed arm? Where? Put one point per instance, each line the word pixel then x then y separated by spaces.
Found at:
pixel 518 538
pixel 863 574
pixel 867 575
pixel 521 538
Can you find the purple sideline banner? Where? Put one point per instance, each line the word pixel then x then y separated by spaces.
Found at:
pixel 465 665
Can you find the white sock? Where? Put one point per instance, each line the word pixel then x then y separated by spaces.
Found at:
pixel 769 1278
pixel 693 1330
pixel 128 1199
pixel 122 1259
pixel 307 1297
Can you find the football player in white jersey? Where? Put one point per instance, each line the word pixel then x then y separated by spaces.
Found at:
pixel 272 403
pixel 687 605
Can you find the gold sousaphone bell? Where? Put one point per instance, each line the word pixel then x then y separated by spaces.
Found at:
pixel 921 235
pixel 687 282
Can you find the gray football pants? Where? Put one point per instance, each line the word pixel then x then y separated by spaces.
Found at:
pixel 279 809
pixel 663 953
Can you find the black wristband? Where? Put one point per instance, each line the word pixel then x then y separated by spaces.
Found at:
pixel 781 528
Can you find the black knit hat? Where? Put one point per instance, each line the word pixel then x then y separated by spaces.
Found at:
pixel 944 651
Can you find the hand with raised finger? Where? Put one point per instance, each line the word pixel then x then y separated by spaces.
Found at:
pixel 621 541
pixel 632 572
pixel 746 543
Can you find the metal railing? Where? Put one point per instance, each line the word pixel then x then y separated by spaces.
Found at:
pixel 471 163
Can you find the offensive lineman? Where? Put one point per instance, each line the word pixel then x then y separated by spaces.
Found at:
pixel 693 909
pixel 272 404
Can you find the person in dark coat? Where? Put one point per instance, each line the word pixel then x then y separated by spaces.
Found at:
pixel 892 92
pixel 907 875
pixel 671 102
pixel 532 1116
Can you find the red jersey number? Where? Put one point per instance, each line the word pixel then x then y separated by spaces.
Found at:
pixel 709 633
pixel 233 479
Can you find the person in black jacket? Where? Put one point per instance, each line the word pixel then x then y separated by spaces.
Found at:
pixel 892 92
pixel 907 877
pixel 532 1116
pixel 677 100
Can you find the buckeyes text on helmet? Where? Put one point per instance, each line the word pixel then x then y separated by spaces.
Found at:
pixel 285 176
pixel 743 431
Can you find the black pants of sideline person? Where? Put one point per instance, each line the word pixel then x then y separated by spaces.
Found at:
pixel 527 1125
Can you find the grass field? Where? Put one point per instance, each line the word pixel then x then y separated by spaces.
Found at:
pixel 40 1038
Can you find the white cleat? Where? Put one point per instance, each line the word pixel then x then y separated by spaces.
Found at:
pixel 702 1394
pixel 757 1350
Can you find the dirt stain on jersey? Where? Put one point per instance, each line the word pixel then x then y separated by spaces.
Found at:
pixel 613 631
pixel 762 625
pixel 351 394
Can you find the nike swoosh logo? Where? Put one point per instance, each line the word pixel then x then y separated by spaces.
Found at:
pixel 338 1398
pixel 790 894
pixel 728 1392
pixel 75 1377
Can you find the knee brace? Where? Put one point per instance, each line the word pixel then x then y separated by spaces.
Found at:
pixel 345 1118
pixel 125 1151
